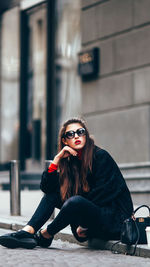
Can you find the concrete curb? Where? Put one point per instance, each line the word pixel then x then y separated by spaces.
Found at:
pixel 66 235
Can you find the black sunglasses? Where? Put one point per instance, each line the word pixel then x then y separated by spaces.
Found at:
pixel 71 134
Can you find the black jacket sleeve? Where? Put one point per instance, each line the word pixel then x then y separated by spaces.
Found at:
pixel 49 182
pixel 108 182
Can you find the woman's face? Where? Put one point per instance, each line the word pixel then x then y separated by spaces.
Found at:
pixel 77 142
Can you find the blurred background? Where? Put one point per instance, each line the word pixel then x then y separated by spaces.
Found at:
pixel 64 58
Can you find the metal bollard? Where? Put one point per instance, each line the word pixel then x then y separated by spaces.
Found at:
pixel 15 187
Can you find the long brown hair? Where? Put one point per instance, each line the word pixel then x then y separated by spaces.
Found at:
pixel 72 174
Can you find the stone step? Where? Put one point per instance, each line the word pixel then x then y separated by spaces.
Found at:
pixel 137 176
pixel 136 186
pixel 135 168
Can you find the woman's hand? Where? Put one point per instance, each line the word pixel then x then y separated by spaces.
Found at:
pixel 81 232
pixel 64 153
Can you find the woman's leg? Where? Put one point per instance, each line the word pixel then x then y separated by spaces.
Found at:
pixel 79 211
pixel 43 212
pixel 25 238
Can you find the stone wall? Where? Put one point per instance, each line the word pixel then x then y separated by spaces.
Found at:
pixel 117 104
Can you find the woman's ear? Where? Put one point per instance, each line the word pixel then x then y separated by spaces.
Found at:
pixel 64 141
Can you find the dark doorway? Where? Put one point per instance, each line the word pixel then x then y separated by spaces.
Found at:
pixel 33 87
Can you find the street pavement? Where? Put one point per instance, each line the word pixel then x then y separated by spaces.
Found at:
pixel 61 252
pixel 66 254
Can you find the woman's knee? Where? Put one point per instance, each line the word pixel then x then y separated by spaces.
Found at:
pixel 73 202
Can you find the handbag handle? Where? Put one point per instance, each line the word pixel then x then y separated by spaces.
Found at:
pixel 142 206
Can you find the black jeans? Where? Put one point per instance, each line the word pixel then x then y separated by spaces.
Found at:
pixel 75 211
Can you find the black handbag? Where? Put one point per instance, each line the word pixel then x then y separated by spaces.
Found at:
pixel 133 230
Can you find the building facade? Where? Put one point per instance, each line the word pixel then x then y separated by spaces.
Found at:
pixel 40 87
pixel 38 70
pixel 117 103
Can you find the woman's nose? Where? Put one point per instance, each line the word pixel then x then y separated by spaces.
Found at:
pixel 76 135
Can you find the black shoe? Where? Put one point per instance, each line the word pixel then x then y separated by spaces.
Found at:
pixel 42 241
pixel 20 239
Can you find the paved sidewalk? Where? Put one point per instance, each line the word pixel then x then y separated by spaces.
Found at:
pixel 65 254
pixel 29 202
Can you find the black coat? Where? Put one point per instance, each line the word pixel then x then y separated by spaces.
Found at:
pixel 106 182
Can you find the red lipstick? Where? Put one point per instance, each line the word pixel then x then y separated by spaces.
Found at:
pixel 77 142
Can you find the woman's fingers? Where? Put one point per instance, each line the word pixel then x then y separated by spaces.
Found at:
pixel 68 150
pixel 81 231
pixel 64 153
